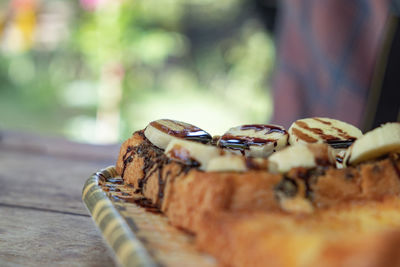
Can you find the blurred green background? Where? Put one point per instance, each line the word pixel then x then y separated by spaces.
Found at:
pixel 97 70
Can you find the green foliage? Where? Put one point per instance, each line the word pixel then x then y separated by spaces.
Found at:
pixel 189 60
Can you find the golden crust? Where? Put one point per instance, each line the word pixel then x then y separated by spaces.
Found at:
pixel 356 234
pixel 135 140
pixel 373 180
pixel 198 192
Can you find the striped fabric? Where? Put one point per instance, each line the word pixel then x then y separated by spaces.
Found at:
pixel 326 54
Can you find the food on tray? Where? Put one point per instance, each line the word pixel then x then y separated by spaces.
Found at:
pixel 256 140
pixel 257 173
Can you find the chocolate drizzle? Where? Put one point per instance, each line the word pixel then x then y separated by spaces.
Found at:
pixel 339 159
pixel 127 159
pixel 168 176
pixel 322 121
pixel 182 155
pixel 151 156
pixel 287 187
pixel 187 131
pixel 154 161
pixel 343 141
pixel 238 142
pixel 304 136
pixel 260 127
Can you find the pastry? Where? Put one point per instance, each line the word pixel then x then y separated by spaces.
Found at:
pixel 320 194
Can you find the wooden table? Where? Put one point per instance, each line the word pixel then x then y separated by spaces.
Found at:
pixel 43 221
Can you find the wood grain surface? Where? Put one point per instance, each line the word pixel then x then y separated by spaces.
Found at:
pixel 43 221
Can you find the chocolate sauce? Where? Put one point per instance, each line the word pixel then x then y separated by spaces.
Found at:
pixel 316 131
pixel 242 142
pixel 343 134
pixel 322 121
pixel 183 155
pixel 188 131
pixel 341 143
pixel 126 161
pixel 287 186
pixel 161 186
pixel 199 136
pixel 339 159
pixel 304 136
pixel 311 177
pixel 329 138
pixel 260 127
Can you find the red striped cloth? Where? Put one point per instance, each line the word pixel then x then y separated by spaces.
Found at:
pixel 325 59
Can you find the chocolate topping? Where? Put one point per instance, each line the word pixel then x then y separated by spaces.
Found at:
pixel 344 141
pixel 182 155
pixel 304 136
pixel 154 161
pixel 323 121
pixel 287 186
pixel 259 127
pixel 185 131
pixel 244 142
pixel 341 143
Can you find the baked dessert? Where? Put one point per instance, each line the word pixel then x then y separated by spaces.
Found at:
pixel 255 178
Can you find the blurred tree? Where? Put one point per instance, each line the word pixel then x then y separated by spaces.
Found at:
pixel 97 70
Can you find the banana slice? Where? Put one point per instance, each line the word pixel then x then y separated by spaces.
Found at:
pixel 234 162
pixel 210 158
pixel 256 140
pixel 228 162
pixel 301 155
pixel 376 143
pixel 161 132
pixel 192 153
pixel 337 134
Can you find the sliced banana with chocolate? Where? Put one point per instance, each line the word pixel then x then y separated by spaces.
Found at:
pixel 336 133
pixel 161 132
pixel 374 144
pixel 211 158
pixel 301 155
pixel 192 153
pixel 256 140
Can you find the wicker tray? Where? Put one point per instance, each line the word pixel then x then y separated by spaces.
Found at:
pixel 138 236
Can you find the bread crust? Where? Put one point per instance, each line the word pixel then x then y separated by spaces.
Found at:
pixel 357 234
pixel 372 180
